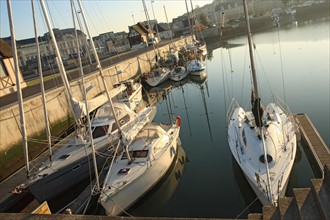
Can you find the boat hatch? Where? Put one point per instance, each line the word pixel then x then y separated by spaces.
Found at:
pixel 124 171
pixel 63 157
pixel 136 154
pixel 100 131
pixel 262 158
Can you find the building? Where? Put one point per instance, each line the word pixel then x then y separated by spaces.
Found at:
pixel 66 41
pixel 139 35
pixel 118 43
pixel 7 71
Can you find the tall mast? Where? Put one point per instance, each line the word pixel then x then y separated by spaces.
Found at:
pixel 19 89
pixel 190 27
pixel 120 132
pixel 253 68
pixel 42 88
pixel 59 60
pixel 85 98
pixel 168 25
pixel 148 19
pixel 99 67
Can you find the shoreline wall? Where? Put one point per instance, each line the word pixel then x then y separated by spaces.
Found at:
pixel 57 104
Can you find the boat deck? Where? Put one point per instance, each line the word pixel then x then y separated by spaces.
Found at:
pixel 314 141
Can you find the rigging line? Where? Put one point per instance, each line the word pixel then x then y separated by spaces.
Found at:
pixel 281 59
pixel 264 72
pixel 247 207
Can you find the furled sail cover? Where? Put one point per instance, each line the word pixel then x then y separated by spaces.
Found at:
pixel 79 106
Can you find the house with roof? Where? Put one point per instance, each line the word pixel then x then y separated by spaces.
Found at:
pixel 7 70
pixel 163 30
pixel 139 35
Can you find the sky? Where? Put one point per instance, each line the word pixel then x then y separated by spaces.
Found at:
pixel 102 15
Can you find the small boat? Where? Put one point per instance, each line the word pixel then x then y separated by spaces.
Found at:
pixel 132 96
pixel 150 156
pixel 178 73
pixel 195 67
pixel 157 76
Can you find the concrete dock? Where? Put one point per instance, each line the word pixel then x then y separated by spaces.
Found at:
pixel 314 141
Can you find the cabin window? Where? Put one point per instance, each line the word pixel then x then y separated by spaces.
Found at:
pixel 136 154
pixel 63 157
pixel 262 158
pixel 100 131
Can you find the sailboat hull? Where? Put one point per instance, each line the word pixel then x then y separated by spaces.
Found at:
pixel 147 177
pixel 54 184
pixel 248 147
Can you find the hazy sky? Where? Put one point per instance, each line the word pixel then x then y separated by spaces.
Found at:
pixel 102 15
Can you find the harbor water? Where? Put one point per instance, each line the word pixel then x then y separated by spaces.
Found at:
pixel 293 63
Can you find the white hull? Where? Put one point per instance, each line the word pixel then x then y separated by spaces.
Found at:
pixel 247 148
pixel 178 73
pixel 158 76
pixel 119 195
pixel 195 67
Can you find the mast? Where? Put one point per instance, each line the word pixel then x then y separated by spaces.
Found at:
pixel 152 7
pixel 19 89
pixel 149 25
pixel 190 27
pixel 253 68
pixel 256 108
pixel 168 25
pixel 99 67
pixel 42 88
pixel 59 61
pixel 86 103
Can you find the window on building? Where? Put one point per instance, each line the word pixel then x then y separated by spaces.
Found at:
pixel 3 71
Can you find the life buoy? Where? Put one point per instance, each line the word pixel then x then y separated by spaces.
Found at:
pixel 178 121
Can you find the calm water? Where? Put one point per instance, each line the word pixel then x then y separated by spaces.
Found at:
pixel 211 183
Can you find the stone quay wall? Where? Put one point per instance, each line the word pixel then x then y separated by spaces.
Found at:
pixel 57 103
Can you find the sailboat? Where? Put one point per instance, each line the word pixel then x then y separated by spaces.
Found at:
pixel 262 141
pixel 158 74
pixel 178 73
pixel 70 163
pixel 134 172
pixel 195 65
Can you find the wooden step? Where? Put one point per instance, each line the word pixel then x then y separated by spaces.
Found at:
pixel 255 216
pixel 288 208
pixel 321 192
pixel 306 204
pixel 271 213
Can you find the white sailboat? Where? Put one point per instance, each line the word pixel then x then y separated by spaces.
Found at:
pixel 262 141
pixel 70 163
pixel 158 74
pixel 178 73
pixel 130 177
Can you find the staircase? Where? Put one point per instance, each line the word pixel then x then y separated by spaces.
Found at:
pixel 306 203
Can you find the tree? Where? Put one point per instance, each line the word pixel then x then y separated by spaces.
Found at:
pixel 203 19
